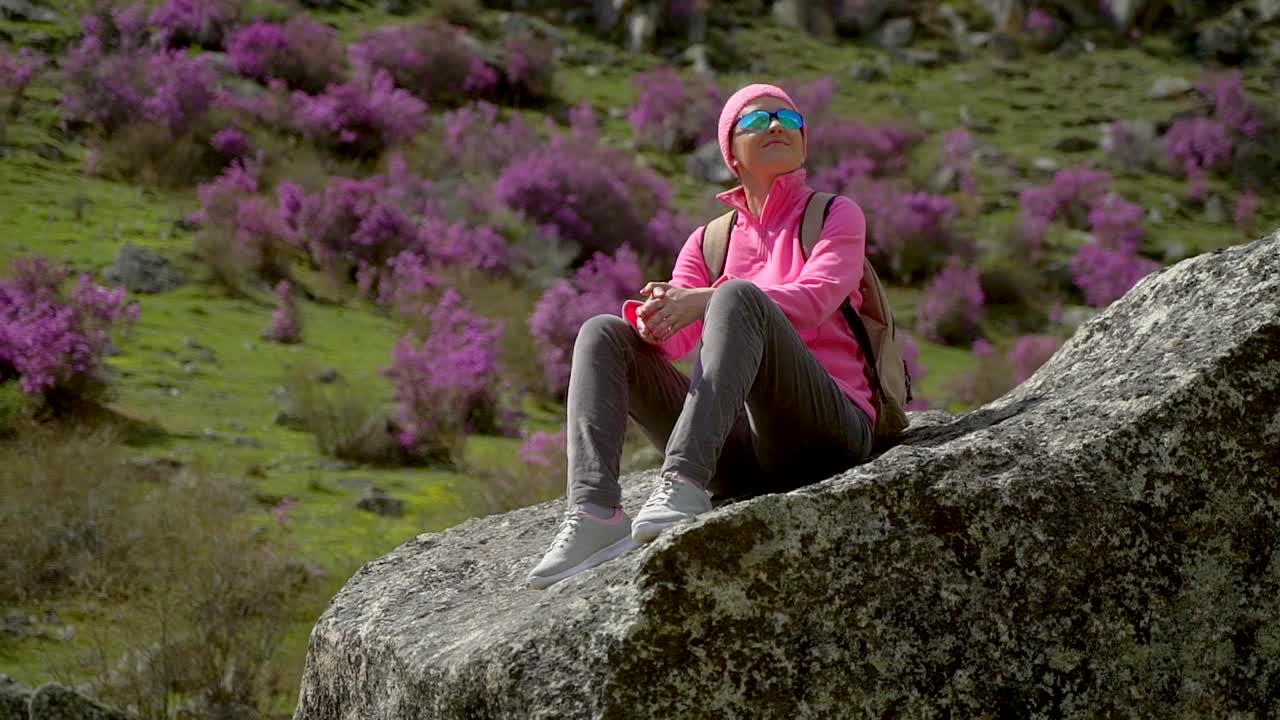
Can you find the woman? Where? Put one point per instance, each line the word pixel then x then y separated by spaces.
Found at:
pixel 779 397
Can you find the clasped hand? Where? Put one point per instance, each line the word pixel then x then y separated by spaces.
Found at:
pixel 668 310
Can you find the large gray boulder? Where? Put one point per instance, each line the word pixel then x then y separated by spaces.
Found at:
pixel 1103 540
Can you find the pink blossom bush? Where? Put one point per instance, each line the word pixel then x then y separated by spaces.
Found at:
pixel 957 155
pixel 544 449
pixel 1198 147
pixel 195 22
pixel 359 118
pixel 53 341
pixel 1245 208
pixel 909 234
pixel 594 197
pixel 16 72
pixel 444 375
pixel 242 237
pixel 480 143
pixel 430 59
pixel 113 79
pixel 306 54
pixel 1105 274
pixel 1068 197
pixel 953 304
pixel 231 142
pixel 671 114
pixel 286 320
pixel 598 287
pixel 1115 222
pixel 1029 352
pixel 835 141
pixel 529 68
pixel 1231 105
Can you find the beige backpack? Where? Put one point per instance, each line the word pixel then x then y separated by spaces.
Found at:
pixel 872 324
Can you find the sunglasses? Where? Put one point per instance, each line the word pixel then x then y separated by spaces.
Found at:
pixel 761 119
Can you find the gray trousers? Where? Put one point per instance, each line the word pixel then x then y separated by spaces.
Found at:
pixel 760 414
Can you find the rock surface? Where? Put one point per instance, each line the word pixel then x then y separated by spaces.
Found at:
pixel 1103 540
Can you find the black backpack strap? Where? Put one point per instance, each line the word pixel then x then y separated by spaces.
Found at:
pixel 715 243
pixel 816 211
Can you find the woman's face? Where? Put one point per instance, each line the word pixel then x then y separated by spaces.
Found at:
pixel 769 152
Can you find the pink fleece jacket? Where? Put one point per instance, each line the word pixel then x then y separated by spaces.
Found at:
pixel 766 251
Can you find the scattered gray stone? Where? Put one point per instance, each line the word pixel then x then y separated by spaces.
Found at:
pixel 55 702
pixel 707 164
pixel 1174 251
pixel 150 469
pixel 1046 165
pixel 1004 13
pixel 788 13
pixel 1226 39
pixel 859 18
pixel 1124 12
pixel 696 56
pixel 944 179
pixel 247 441
pixel 379 503
pixel 1267 10
pixel 25 10
pixel 1169 87
pixel 1215 210
pixel 359 484
pixel 897 33
pixel 1075 144
pixel 642 27
pixel 975 124
pixel 327 375
pixel 142 270
pixel 290 419
pixel 15 698
pixel 920 57
pixel 864 72
pixel 1035 554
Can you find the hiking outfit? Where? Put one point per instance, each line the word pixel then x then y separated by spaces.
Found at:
pixel 779 396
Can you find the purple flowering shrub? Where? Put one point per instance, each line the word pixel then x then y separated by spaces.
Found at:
pixel 1198 147
pixel 195 22
pixel 374 230
pixel 957 156
pixel 997 373
pixel 16 72
pixel 671 114
pixel 1104 274
pixel 909 234
pixel 53 340
pixel 1067 197
pixel 479 143
pixel 445 374
pixel 1029 352
pixel 594 197
pixel 528 68
pixel 306 54
pixel 359 118
pixel 1231 105
pixel 430 59
pixel 834 142
pixel 1246 207
pixel 953 304
pixel 598 287
pixel 231 143
pixel 242 238
pixel 286 319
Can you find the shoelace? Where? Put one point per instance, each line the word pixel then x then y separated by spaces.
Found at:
pixel 663 494
pixel 567 528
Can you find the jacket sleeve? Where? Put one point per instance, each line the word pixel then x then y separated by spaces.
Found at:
pixel 690 272
pixel 832 272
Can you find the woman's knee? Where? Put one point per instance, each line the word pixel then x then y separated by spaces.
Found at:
pixel 737 296
pixel 603 327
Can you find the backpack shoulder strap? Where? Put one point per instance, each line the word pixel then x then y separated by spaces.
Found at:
pixel 815 216
pixel 715 243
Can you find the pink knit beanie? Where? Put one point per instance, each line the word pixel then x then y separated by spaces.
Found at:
pixel 741 99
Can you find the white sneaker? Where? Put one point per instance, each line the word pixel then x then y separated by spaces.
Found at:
pixel 583 542
pixel 674 501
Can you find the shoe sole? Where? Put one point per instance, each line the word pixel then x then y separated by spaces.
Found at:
pixel 600 556
pixel 647 531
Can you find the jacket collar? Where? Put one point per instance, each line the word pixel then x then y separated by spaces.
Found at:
pixel 787 189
